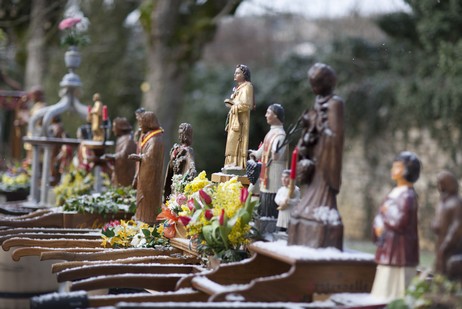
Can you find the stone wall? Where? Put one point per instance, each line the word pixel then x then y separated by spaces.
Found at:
pixel 366 180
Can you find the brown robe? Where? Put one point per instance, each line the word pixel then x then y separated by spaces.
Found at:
pixel 124 169
pixel 447 226
pixel 322 143
pixel 150 181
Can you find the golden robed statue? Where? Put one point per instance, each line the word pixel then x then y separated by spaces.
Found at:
pixel 237 125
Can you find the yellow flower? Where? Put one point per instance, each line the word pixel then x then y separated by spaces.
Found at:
pixel 227 197
pixel 196 184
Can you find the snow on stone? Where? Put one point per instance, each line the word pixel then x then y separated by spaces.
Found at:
pixel 327 215
pixel 356 299
pixel 312 254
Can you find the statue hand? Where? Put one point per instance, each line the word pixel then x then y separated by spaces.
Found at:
pixel 134 156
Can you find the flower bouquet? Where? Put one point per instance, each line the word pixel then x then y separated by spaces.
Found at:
pixel 216 217
pixel 132 234
pixel 15 178
pixel 74 32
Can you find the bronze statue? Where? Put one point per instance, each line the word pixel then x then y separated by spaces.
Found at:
pixel 395 231
pixel 447 226
pixel 123 168
pixel 96 116
pixel 315 221
pixel 181 159
pixel 273 157
pixel 237 123
pixel 149 177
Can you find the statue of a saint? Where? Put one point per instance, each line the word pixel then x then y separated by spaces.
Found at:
pixel 96 118
pixel 149 182
pixel 273 157
pixel 181 159
pixel 315 221
pixel 395 231
pixel 447 226
pixel 123 168
pixel 237 125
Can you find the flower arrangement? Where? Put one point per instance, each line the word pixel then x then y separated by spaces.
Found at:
pixel 15 178
pixel 73 34
pixel 76 183
pixel 133 234
pixel 216 217
pixel 112 201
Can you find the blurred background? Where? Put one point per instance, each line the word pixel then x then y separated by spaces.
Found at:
pixel 398 64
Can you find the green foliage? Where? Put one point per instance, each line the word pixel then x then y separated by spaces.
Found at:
pixel 75 183
pixel 424 293
pixel 112 201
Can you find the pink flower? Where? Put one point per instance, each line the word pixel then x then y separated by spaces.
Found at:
pixel 205 197
pixel 244 194
pixel 69 23
pixel 221 220
pixel 184 220
pixel 181 199
pixel 191 204
pixel 208 214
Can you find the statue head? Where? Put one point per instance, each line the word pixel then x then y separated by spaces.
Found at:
pixel 278 110
pixel 322 79
pixel 96 97
pixel 185 133
pixel 36 94
pixel 149 122
pixel 121 126
pixel 411 164
pixel 447 184
pixel 245 71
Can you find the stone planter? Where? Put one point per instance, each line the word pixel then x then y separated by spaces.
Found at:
pixel 72 57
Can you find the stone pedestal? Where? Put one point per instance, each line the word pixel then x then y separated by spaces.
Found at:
pixel 266 225
pixel 222 177
pixel 315 234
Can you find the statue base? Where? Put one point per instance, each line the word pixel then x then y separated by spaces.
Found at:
pixel 223 177
pixel 315 234
pixel 266 225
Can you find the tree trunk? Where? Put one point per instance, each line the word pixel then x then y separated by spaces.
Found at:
pixel 175 42
pixel 35 66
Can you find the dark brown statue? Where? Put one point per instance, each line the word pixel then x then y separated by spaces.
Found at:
pixel 181 159
pixel 123 168
pixel 149 177
pixel 315 221
pixel 447 226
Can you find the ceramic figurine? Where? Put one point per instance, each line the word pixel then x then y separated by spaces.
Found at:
pixel 315 221
pixel 181 159
pixel 96 118
pixel 149 183
pixel 123 169
pixel 395 231
pixel 286 199
pixel 447 226
pixel 237 123
pixel 274 160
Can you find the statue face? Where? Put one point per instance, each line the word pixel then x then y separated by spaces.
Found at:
pixel 397 170
pixel 285 180
pixel 239 76
pixel 271 117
